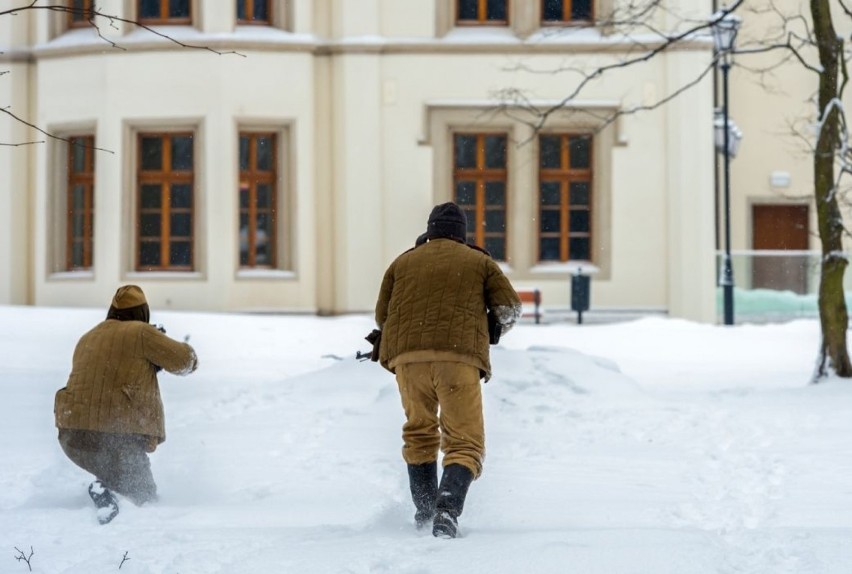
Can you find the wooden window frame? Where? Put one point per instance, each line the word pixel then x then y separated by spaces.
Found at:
pixel 86 178
pixel 566 175
pixel 165 178
pixel 164 17
pixel 482 175
pixel 249 19
pixel 481 16
pixel 250 178
pixel 87 7
pixel 567 20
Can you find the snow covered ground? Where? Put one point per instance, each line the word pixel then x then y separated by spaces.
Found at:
pixel 653 446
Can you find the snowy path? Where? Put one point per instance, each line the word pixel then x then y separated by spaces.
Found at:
pixel 688 449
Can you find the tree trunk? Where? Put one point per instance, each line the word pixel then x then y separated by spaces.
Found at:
pixel 834 319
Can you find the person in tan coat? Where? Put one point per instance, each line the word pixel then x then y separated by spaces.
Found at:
pixel 433 313
pixel 110 414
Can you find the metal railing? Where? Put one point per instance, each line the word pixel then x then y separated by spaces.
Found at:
pixel 775 285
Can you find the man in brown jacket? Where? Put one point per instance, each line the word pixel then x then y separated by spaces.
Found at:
pixel 433 311
pixel 110 414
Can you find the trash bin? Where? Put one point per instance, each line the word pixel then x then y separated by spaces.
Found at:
pixel 579 293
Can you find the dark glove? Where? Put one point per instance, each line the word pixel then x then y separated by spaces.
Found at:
pixel 375 339
pixel 495 329
pixel 158 368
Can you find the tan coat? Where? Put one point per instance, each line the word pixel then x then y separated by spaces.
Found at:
pixel 113 383
pixel 432 305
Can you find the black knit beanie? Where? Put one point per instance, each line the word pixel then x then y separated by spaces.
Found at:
pixel 447 220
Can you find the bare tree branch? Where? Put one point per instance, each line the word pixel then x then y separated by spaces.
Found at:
pixel 663 101
pixel 91 13
pixel 845 8
pixel 21 143
pixel 24 557
pixel 670 41
pixel 14 11
pixel 521 102
pixel 41 131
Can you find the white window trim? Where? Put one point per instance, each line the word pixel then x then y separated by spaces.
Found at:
pixel 282 17
pixel 57 221
pixel 285 226
pixel 524 17
pixel 132 129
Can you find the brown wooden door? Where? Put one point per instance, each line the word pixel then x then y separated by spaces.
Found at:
pixel 780 228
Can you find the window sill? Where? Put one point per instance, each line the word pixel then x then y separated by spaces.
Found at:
pixel 164 275
pixel 72 276
pixel 490 33
pixel 265 274
pixel 568 268
pixel 567 33
pixel 261 30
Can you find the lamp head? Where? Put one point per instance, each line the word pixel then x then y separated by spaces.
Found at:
pixel 725 30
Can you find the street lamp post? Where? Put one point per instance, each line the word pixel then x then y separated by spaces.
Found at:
pixel 724 34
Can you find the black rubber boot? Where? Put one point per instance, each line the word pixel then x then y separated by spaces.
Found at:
pixel 423 480
pixel 450 502
pixel 104 500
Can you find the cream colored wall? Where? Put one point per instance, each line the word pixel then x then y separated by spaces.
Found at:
pixel 324 229
pixel 357 165
pixel 16 31
pixel 776 114
pixel 638 223
pixel 354 19
pixel 689 165
pixel 769 144
pixel 408 19
pixel 361 157
pixel 15 185
pixel 15 161
pixel 121 92
pixel 645 250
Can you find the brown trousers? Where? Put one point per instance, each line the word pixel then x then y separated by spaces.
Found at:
pixel 119 461
pixel 443 408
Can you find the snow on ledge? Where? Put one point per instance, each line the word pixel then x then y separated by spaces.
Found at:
pixel 568 267
pixel 84 39
pixel 586 39
pixel 83 275
pixel 265 274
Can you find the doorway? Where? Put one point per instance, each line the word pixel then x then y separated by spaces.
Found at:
pixel 779 228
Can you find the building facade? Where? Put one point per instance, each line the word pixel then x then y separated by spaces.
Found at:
pixel 774 230
pixel 276 156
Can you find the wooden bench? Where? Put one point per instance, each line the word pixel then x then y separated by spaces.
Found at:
pixel 531 300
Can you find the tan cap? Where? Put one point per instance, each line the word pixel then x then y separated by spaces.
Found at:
pixel 128 296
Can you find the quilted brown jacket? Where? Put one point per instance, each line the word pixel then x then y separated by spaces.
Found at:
pixel 432 305
pixel 113 383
